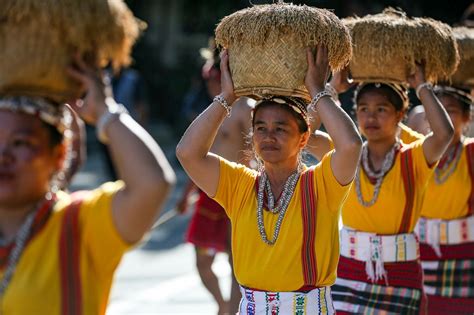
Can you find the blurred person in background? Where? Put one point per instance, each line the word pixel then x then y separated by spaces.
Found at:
pixel 210 230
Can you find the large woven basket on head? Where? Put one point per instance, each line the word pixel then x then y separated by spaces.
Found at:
pixel 464 75
pixel 267 46
pixel 388 45
pixel 38 40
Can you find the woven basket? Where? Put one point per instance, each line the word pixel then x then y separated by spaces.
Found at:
pixel 388 45
pixel 464 75
pixel 38 40
pixel 267 47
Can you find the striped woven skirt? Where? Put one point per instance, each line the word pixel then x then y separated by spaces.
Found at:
pixel 316 301
pixel 449 280
pixel 401 292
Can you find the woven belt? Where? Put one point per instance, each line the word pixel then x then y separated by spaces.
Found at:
pixel 436 232
pixel 316 301
pixel 378 249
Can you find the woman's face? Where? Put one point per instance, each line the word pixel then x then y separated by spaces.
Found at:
pixel 27 160
pixel 377 117
pixel 276 136
pixel 455 111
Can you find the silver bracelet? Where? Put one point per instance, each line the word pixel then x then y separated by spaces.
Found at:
pixel 332 90
pixel 314 102
pixel 222 101
pixel 112 113
pixel 427 85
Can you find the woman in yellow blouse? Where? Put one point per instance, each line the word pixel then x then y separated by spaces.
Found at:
pixel 285 216
pixel 446 228
pixel 379 268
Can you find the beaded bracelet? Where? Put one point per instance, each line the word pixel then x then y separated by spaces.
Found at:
pixel 427 85
pixel 332 90
pixel 113 112
pixel 317 97
pixel 222 101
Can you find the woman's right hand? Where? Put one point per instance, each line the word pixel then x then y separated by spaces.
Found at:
pixel 227 85
pixel 318 69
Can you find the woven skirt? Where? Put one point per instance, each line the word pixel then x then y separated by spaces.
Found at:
pixel 400 293
pixel 449 279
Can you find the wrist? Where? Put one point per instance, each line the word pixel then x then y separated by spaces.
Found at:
pixel 230 98
pixel 423 86
pixel 314 90
pixel 112 111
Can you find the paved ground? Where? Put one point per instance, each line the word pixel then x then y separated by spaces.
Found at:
pixel 158 277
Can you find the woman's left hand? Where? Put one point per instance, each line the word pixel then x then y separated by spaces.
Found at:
pixel 318 69
pixel 418 77
pixel 97 90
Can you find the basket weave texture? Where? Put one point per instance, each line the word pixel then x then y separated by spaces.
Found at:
pixel 388 45
pixel 464 75
pixel 38 40
pixel 267 47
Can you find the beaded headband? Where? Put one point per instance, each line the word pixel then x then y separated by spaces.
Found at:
pixel 51 114
pixel 400 89
pixel 458 94
pixel 298 105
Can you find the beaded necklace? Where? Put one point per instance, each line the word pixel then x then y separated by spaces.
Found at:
pixel 379 176
pixel 19 245
pixel 442 173
pixel 280 208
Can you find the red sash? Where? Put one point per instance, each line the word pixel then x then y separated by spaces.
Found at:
pixel 69 258
pixel 470 165
pixel 406 160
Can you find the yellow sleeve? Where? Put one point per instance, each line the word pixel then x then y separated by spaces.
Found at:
pixel 234 181
pixel 99 233
pixel 423 171
pixel 331 193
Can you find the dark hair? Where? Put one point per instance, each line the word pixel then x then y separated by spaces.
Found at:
pixel 460 97
pixel 55 137
pixel 302 125
pixel 384 89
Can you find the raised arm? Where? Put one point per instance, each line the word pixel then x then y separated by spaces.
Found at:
pixel 141 164
pixel 442 129
pixel 193 149
pixel 347 141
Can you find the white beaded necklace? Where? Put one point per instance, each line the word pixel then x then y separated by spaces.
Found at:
pixel 18 247
pixel 452 160
pixel 379 176
pixel 281 207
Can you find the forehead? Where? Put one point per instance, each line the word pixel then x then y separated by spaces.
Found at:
pixel 19 122
pixel 374 97
pixel 273 113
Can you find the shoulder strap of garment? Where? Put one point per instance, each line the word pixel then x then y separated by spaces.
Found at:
pixel 69 259
pixel 470 165
pixel 308 212
pixel 408 177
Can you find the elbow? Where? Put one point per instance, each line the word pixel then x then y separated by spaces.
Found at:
pixel 184 152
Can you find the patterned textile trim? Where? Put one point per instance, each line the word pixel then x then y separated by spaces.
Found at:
pixel 436 232
pixel 358 297
pixel 470 160
pixel 409 185
pixel 41 218
pixel 449 278
pixel 316 301
pixel 69 258
pixel 309 214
